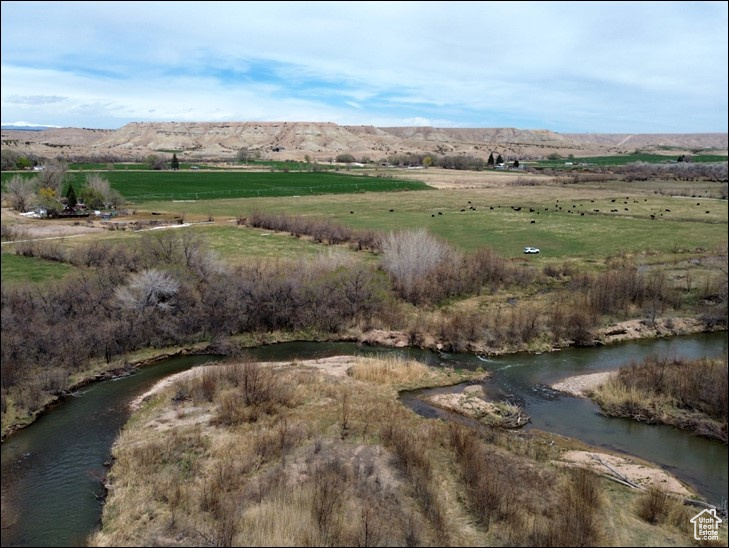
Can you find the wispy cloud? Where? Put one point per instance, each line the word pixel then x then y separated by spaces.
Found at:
pixel 34 99
pixel 566 66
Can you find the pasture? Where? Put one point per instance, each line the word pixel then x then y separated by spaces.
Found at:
pixel 471 218
pixel 656 221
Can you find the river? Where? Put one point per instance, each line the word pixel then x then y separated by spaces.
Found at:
pixel 51 469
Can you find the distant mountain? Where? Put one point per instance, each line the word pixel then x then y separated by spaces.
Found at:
pixel 26 126
pixel 322 141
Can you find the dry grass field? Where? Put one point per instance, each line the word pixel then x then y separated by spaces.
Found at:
pixel 321 453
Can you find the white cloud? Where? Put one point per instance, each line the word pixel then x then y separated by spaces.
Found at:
pixel 524 64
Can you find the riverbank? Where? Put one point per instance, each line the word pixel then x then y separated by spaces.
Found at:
pixel 622 331
pixel 582 385
pixel 687 394
pixel 628 330
pixel 117 369
pixel 690 395
pixel 387 471
pixel 468 403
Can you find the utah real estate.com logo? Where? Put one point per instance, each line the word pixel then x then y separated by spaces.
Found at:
pixel 707 525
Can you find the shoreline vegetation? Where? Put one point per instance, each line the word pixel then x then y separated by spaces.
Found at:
pixel 321 452
pixel 690 395
pixel 687 394
pixel 123 366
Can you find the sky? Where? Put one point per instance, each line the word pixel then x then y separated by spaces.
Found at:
pixel 571 67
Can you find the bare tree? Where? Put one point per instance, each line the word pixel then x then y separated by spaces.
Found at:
pixel 246 154
pixel 99 193
pixel 19 192
pixel 148 288
pixel 156 162
pixel 410 255
pixel 54 175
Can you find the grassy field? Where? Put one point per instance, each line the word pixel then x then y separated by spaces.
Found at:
pixel 564 222
pixel 559 233
pixel 621 160
pixel 234 244
pixel 144 186
pixel 17 269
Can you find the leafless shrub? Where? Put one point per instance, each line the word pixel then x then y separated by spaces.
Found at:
pixel 10 232
pixel 321 230
pixel 412 458
pixel 557 271
pixel 486 267
pixel 48 250
pixel 523 323
pixel 150 288
pixel 204 386
pixel 687 171
pixel 256 391
pixel 694 384
pixel 490 496
pixel 54 380
pixel 101 193
pixel 409 256
pixel 654 505
pixel 532 181
pixel 330 479
pixel 575 520
pixel 30 397
pixel 571 319
pixel 53 176
pixel 617 288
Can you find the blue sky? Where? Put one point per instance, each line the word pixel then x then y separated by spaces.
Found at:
pixel 604 67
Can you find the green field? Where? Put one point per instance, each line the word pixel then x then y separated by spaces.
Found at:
pixel 145 186
pixel 621 160
pixel 18 269
pixel 235 244
pixel 560 234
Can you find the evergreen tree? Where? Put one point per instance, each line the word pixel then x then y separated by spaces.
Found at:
pixel 490 161
pixel 175 164
pixel 516 163
pixel 499 159
pixel 71 199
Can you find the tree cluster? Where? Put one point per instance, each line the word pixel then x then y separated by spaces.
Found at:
pixel 461 161
pixel 11 160
pixel 51 189
pixel 166 291
pixel 345 158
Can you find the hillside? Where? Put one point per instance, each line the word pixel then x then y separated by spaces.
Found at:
pixel 295 140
